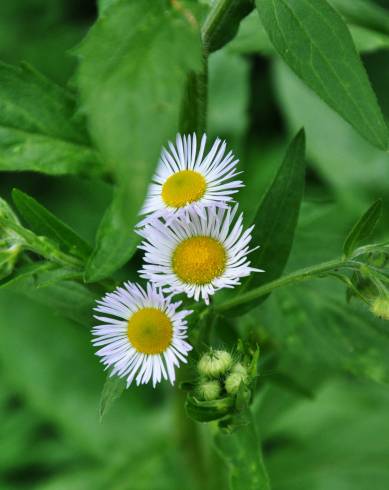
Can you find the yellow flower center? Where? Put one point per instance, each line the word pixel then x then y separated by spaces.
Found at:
pixel 199 260
pixel 150 331
pixel 183 188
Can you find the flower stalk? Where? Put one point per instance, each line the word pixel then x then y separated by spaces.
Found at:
pixel 301 275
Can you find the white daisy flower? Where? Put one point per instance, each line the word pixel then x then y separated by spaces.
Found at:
pixel 143 334
pixel 196 254
pixel 187 180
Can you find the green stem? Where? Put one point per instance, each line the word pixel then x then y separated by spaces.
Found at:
pixel 298 276
pixel 194 106
pixel 222 22
pixel 242 452
pixel 214 21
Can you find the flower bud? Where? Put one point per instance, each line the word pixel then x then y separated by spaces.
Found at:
pixel 233 381
pixel 239 369
pixel 209 390
pixel 7 233
pixel 380 307
pixel 214 363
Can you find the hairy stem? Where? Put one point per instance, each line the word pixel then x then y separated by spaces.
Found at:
pixel 298 276
pixel 194 105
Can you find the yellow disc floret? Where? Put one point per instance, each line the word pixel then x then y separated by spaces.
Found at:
pixel 183 188
pixel 199 260
pixel 150 331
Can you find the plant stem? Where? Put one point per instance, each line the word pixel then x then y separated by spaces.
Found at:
pixel 214 21
pixel 194 106
pixel 217 25
pixel 298 276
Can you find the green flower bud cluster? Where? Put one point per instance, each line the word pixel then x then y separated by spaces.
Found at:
pixel 219 376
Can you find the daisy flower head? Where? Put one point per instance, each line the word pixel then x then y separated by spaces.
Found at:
pixel 142 335
pixel 197 254
pixel 189 179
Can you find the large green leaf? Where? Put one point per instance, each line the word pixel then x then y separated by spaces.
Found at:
pixel 133 71
pixel 339 441
pixel 314 40
pixel 43 222
pixel 276 220
pixel 340 337
pixel 38 129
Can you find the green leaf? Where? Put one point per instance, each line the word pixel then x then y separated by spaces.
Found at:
pixel 363 13
pixel 26 270
pixel 133 72
pixel 276 220
pixel 103 5
pixel 368 41
pixel 38 128
pixel 349 165
pixel 206 411
pixel 115 241
pixel 341 337
pixel 113 388
pixel 321 439
pixel 362 228
pixel 222 22
pixel 252 38
pixel 314 40
pixel 43 222
pixel 67 298
pixel 241 451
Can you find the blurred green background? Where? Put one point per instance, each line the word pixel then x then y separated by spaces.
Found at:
pixel 330 434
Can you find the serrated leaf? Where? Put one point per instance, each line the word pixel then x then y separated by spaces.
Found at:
pixel 133 73
pixel 43 222
pixel 38 129
pixel 314 41
pixel 276 220
pixel 362 228
pixel 241 451
pixel 113 388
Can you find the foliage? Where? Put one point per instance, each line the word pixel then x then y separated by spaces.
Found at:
pixel 88 96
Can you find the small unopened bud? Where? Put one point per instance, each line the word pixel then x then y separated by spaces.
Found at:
pixel 233 381
pixel 8 257
pixel 380 307
pixel 209 390
pixel 214 363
